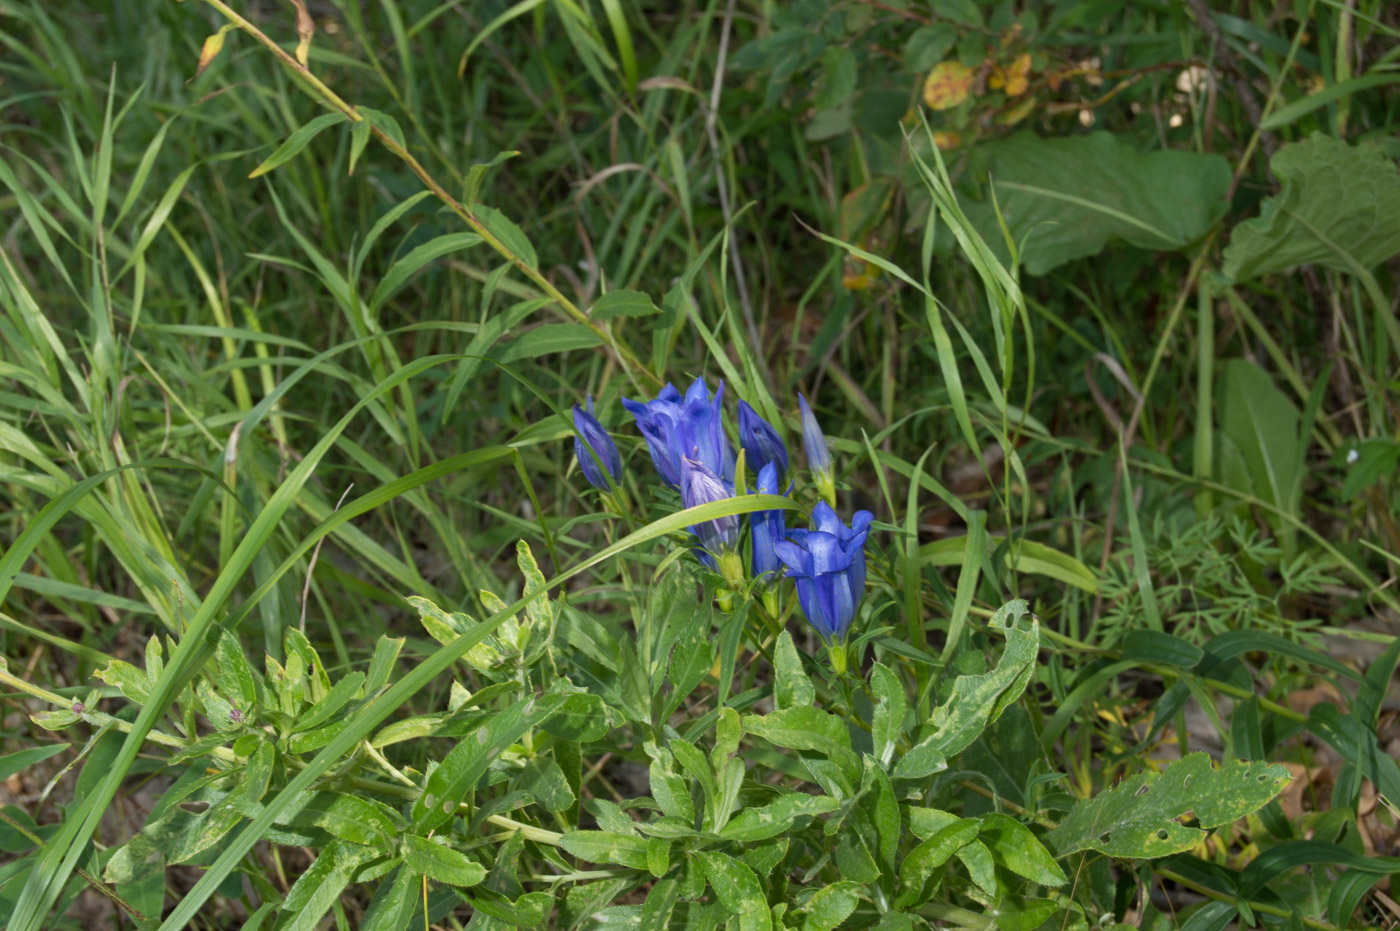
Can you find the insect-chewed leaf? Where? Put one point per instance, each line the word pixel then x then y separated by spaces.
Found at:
pixel 132 682
pixel 754 824
pixel 1141 817
pixel 832 905
pixel 440 862
pixel 977 701
pixel 315 892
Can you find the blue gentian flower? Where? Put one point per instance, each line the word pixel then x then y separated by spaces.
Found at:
pixel 760 441
pixel 699 485
pixel 818 455
pixel 588 432
pixel 677 429
pixel 828 565
pixel 768 527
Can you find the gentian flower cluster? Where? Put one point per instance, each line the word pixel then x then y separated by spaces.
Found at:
pixel 692 453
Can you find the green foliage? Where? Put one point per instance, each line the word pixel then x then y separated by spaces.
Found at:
pixel 1068 198
pixel 1337 208
pixel 1142 816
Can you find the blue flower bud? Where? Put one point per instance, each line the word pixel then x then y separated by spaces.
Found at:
pixel 818 455
pixel 761 442
pixel 699 486
pixel 768 527
pixel 603 458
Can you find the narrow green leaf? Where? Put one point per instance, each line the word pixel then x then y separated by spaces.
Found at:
pixel 298 141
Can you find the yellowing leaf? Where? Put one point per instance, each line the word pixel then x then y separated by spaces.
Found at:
pixel 1017 113
pixel 212 47
pixel 306 28
pixel 947 85
pixel 1013 78
pixel 946 139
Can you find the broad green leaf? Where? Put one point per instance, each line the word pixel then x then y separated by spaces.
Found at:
pixel 622 304
pixel 313 894
pixel 507 233
pixel 1262 425
pixel 531 910
pixel 660 903
pixel 791 686
pixel 831 905
pixel 853 857
pixel 348 817
pixel 891 705
pixel 467 761
pixel 298 141
pixel 132 682
pixel 581 716
pixel 1339 207
pixel 1139 817
pixel 753 824
pixel 804 728
pixel 1068 197
pixel 980 866
pixel 606 847
pixel 547 339
pixel 928 856
pixel 440 863
pixel 394 903
pixel 1014 847
pixel 546 783
pixel 977 701
pixel 738 889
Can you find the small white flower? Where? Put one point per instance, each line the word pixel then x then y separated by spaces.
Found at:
pixel 1352 456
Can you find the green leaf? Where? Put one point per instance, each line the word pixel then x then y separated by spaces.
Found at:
pixel 928 45
pixel 928 856
pixel 853 858
pixel 547 784
pixel 13 763
pixel 313 894
pixel 548 339
pixel 977 701
pixel 738 890
pixel 235 675
pixel 393 906
pixel 803 728
pixel 1014 847
pixel 401 271
pixel 381 665
pixel 623 304
pixel 581 716
pixel 891 705
pixel 467 761
pixel 1067 197
pixel 606 847
pixel 440 863
pixel 348 817
pixel 1262 424
pixel 831 905
pixel 509 235
pixel 341 694
pixel 754 824
pixel 1338 208
pixel 476 176
pixel 132 682
pixel 1138 818
pixel 298 141
pixel 980 866
pixel 791 686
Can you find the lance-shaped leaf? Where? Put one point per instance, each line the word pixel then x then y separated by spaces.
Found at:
pixel 1141 817
pixel 977 701
pixel 312 895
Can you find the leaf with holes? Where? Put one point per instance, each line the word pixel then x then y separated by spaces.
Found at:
pixel 1141 817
